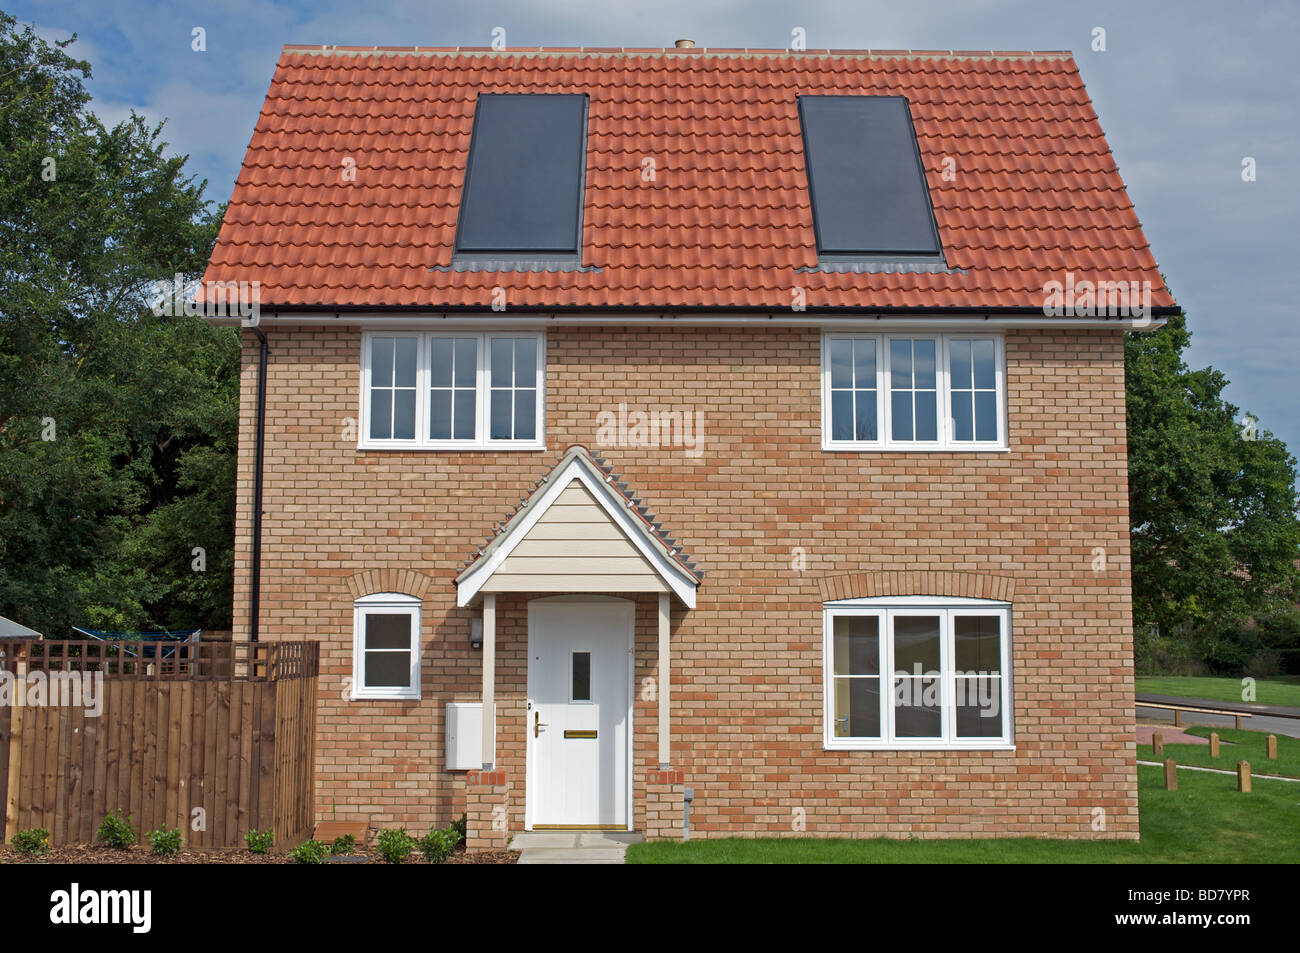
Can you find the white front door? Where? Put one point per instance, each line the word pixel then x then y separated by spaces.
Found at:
pixel 579 712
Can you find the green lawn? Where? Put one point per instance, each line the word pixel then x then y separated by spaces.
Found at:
pixel 1204 822
pixel 1284 690
pixel 1245 746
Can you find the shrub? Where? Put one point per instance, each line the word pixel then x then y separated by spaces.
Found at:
pixel 165 842
pixel 438 845
pixel 1266 663
pixel 310 852
pixel 116 830
pixel 461 827
pixel 395 845
pixel 259 842
pixel 34 840
pixel 344 844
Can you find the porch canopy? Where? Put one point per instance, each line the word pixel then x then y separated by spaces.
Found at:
pixel 580 531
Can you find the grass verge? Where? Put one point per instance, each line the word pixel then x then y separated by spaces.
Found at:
pixel 1281 691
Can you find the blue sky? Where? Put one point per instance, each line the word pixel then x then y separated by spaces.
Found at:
pixel 1184 90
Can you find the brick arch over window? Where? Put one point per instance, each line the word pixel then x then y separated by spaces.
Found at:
pixel 406 581
pixel 967 585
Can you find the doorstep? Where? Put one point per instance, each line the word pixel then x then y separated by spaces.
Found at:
pixel 573 847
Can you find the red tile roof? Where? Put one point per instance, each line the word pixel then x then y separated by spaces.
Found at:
pixel 726 223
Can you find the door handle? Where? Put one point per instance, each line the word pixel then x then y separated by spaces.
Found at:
pixel 538 724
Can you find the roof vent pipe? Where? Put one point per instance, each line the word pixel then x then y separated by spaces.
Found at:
pixel 684 44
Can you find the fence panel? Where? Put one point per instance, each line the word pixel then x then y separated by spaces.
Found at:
pixel 159 730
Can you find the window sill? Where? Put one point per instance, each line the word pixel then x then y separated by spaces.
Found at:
pixel 405 697
pixel 913 747
pixel 839 446
pixel 448 447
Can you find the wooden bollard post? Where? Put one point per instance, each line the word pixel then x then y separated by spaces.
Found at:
pixel 1243 777
pixel 1171 774
pixel 1214 744
pixel 1157 743
pixel 1270 747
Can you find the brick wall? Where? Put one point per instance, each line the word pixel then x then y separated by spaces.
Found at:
pixel 747 699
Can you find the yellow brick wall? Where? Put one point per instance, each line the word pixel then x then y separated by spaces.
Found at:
pixel 747 700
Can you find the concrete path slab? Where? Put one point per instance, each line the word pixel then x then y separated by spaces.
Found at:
pixel 573 847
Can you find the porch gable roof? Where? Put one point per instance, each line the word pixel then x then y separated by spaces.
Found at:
pixel 624 511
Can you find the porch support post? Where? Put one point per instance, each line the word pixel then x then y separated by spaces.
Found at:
pixel 665 668
pixel 489 680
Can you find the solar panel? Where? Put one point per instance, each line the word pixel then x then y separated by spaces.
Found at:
pixel 523 186
pixel 868 188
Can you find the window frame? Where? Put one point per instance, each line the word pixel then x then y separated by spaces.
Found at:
pixel 482 393
pixel 943 383
pixel 886 609
pixel 385 603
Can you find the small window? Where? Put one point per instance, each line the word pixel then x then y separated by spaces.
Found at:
pixel 386 647
pixel 917 673
pixel 912 392
pixel 972 364
pixel 513 411
pixel 581 681
pixel 393 387
pixel 456 390
pixel 854 398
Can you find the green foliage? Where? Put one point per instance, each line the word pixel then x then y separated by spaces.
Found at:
pixel 310 852
pixel 395 845
pixel 462 827
pixel 259 842
pixel 165 841
pixel 344 844
pixel 33 840
pixel 116 831
pixel 117 426
pixel 438 845
pixel 1212 502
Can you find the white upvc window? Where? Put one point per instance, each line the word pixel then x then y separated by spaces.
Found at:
pixel 917 673
pixel 452 390
pixel 386 647
pixel 913 391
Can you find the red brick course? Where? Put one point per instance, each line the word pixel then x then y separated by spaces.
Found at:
pixel 1023 525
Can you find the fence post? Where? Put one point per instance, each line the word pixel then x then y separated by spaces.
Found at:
pixel 1214 744
pixel 1270 744
pixel 1243 777
pixel 1171 774
pixel 15 766
pixel 1157 743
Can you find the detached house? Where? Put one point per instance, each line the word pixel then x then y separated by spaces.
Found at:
pixel 629 424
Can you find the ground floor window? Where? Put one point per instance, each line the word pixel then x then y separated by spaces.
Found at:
pixel 386 646
pixel 917 672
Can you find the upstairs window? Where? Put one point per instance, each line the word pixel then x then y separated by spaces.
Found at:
pixel 869 195
pixel 913 392
pixel 523 189
pixel 452 391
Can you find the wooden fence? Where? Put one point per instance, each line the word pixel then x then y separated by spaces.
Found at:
pixel 213 738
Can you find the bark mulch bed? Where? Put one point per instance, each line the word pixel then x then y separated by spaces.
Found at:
pixel 142 855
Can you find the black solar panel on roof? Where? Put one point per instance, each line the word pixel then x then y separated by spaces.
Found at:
pixel 523 186
pixel 869 194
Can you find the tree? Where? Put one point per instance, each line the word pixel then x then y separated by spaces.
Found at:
pixel 116 426
pixel 1212 499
